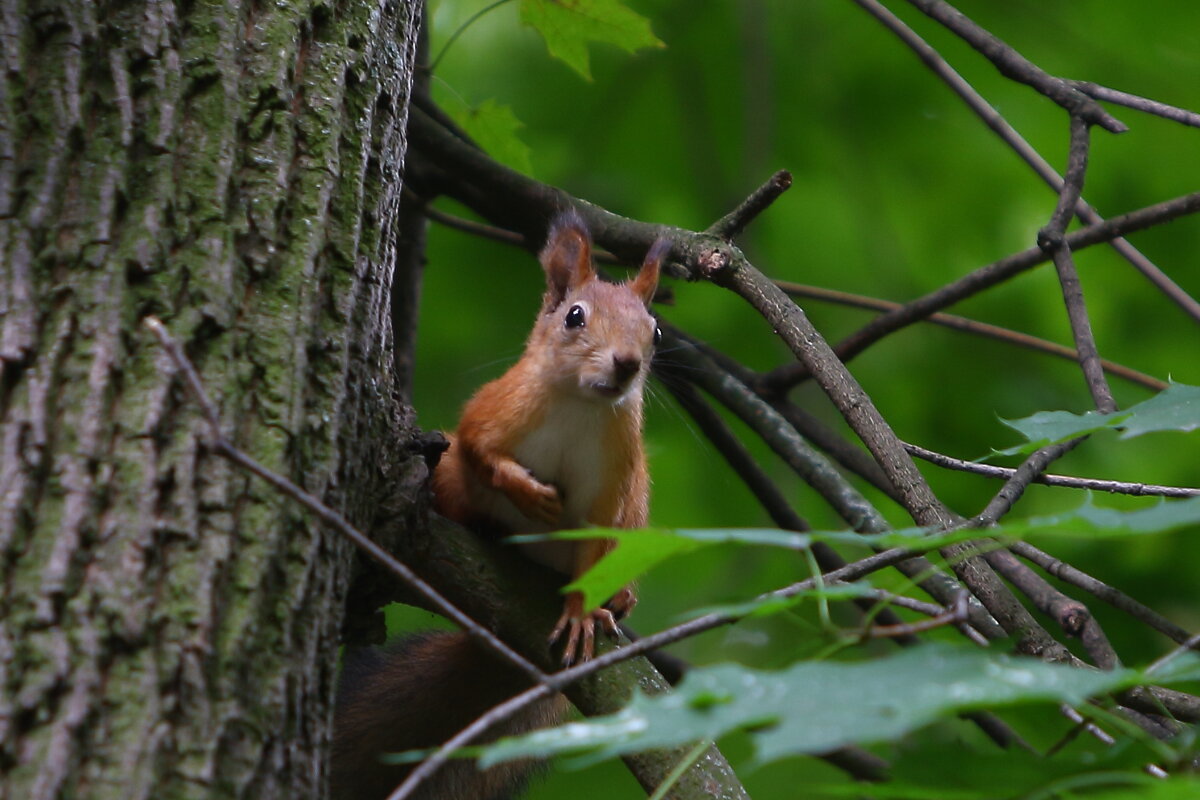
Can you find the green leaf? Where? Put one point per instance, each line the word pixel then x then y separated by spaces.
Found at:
pixel 569 25
pixel 813 707
pixel 1093 521
pixel 1176 408
pixel 639 550
pixel 494 128
pixel 1143 787
pixel 920 773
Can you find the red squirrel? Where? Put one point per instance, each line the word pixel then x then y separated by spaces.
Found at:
pixel 554 443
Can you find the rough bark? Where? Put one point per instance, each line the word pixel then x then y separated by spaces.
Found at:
pixel 169 626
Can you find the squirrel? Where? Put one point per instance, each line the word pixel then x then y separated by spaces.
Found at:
pixel 554 443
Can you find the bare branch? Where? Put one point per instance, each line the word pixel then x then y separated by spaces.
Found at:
pixel 1071 615
pixel 1033 466
pixel 1051 238
pixel 1047 173
pixel 957 615
pixel 1192 643
pixel 732 224
pixel 726 267
pixel 813 467
pixel 480 229
pixel 1091 484
pixel 1117 599
pixel 764 489
pixel 985 278
pixel 837 447
pixel 740 461
pixel 970 326
pixel 1015 66
pixel 1137 103
pixel 1081 724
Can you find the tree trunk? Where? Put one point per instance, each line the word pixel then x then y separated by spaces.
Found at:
pixel 168 625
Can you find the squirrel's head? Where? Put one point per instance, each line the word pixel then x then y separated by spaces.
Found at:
pixel 598 337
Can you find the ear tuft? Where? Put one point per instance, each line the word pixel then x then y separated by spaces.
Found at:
pixel 647 278
pixel 567 256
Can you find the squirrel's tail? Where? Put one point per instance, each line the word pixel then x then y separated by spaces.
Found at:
pixel 416 695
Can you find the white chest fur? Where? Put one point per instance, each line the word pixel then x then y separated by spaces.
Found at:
pixel 565 450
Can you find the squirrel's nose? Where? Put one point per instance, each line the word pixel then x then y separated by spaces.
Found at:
pixel 625 367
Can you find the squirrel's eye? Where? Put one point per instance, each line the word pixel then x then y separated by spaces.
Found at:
pixel 657 335
pixel 575 317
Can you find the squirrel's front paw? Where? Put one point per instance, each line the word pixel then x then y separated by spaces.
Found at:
pixel 540 501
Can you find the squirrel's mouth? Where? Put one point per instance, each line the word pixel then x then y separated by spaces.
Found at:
pixel 608 389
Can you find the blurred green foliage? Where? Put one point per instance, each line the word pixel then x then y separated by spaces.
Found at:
pixel 898 190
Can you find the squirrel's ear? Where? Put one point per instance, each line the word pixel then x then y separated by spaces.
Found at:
pixel 567 257
pixel 647 278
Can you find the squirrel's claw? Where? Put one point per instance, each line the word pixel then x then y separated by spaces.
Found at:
pixel 580 629
pixel 621 604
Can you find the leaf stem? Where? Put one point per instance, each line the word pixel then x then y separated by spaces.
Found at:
pixel 459 31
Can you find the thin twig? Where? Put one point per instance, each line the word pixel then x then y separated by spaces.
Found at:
pixel 1015 66
pixel 971 326
pixel 1091 484
pixel 1114 597
pixel 1073 616
pixel 986 277
pixel 1051 239
pixel 1192 643
pixel 480 229
pixel 939 618
pixel 1033 466
pixel 485 231
pixel 731 225
pixel 1164 702
pixel 1081 725
pixel 813 467
pixel 685 763
pixel 223 447
pixel 1137 103
pixel 459 31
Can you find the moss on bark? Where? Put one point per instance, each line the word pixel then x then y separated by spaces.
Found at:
pixel 169 626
